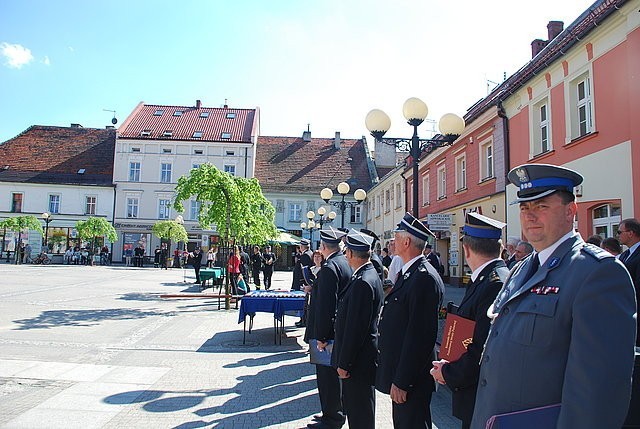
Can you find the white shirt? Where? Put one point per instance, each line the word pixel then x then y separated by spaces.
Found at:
pixel 544 254
pixel 394 268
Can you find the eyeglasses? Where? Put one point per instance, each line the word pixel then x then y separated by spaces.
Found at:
pixel 621 231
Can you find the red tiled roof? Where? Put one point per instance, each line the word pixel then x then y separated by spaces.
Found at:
pixel 182 127
pixel 289 164
pixel 44 154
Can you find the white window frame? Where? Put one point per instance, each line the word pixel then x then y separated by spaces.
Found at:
pixel 135 171
pixel 387 201
pixel 609 223
pixel 133 206
pixel 230 168
pixel 194 209
pixel 461 172
pixel 54 203
pixel 426 190
pixel 295 212
pixel 398 195
pixel 541 128
pixel 166 169
pixel 356 213
pixel 164 208
pixel 581 106
pixel 88 205
pixel 487 157
pixel 442 182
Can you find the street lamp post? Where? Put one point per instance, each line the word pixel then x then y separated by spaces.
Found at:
pixel 343 189
pixel 415 111
pixel 176 261
pixel 317 224
pixel 46 216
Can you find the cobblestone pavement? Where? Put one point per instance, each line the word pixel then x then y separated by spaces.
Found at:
pixel 96 347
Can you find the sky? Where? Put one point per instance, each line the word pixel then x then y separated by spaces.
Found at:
pixel 322 64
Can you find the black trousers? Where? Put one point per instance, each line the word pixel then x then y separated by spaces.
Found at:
pixel 330 396
pixel 197 270
pixel 415 412
pixel 267 278
pixel 359 402
pixel 256 276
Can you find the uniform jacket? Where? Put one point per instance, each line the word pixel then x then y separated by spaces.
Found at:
pixel 462 375
pixel 331 280
pixel 303 259
pixel 268 256
pixel 356 325
pixel 408 328
pixel 564 336
pixel 376 260
pixel 633 266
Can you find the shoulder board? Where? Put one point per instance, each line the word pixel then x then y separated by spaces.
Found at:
pixel 595 251
pixel 422 268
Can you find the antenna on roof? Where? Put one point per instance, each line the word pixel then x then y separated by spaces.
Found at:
pixel 114 120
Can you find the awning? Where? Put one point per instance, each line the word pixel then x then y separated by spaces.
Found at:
pixel 286 239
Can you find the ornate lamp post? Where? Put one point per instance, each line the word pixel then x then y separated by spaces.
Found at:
pixel 317 224
pixel 343 189
pixel 46 216
pixel 415 111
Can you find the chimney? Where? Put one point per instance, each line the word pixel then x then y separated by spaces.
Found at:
pixel 198 104
pixel 336 141
pixel 306 136
pixel 554 28
pixel 226 106
pixel 537 45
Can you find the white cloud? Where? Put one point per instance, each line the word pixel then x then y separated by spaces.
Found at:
pixel 16 55
pixel 46 61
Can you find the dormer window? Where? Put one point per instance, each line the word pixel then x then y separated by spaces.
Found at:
pixel 177 113
pixel 197 135
pixel 81 171
pixel 225 136
pixel 158 112
pixel 230 153
pixel 145 133
pixel 167 133
pixel 204 114
pixel 135 149
pixel 166 150
pixel 231 115
pixel 198 152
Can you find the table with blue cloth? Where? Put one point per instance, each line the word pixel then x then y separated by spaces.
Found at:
pixel 215 274
pixel 270 301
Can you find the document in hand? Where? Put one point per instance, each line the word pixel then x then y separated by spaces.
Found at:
pixel 533 418
pixel 320 357
pixel 456 337
pixel 308 276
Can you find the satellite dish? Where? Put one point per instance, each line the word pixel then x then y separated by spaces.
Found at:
pixel 114 120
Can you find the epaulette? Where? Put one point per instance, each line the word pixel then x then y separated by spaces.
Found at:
pixel 595 251
pixel 422 268
pixel 494 277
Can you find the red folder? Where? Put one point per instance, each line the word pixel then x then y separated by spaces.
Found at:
pixel 456 337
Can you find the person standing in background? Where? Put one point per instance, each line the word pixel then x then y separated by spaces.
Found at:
pixel 269 261
pixel 257 261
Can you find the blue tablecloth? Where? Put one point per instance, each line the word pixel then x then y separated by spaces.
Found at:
pixel 275 302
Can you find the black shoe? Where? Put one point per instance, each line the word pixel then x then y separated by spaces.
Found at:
pixel 317 417
pixel 300 324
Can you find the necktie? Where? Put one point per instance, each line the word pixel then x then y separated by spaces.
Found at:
pixel 535 264
pixel 624 256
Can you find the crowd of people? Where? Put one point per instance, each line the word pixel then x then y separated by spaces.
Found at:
pixel 555 318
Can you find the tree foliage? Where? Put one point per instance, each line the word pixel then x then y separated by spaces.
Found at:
pixel 234 204
pixel 21 223
pixel 95 227
pixel 170 230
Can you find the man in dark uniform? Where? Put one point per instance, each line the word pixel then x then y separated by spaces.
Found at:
pixel 563 327
pixel 376 260
pixel 408 328
pixel 331 281
pixel 355 347
pixel 257 261
pixel 303 258
pixel 432 257
pixel 482 249
pixel 269 260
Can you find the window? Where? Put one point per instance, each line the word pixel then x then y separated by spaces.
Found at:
pixel 135 149
pixel 54 203
pixel 16 203
pixel 197 135
pixel 398 195
pixel 165 173
pixel 231 115
pixel 606 219
pixel 145 133
pixel 442 182
pixel 198 151
pixel 194 209
pixel 134 172
pixel 294 212
pixel 582 110
pixel 158 112
pixel 195 166
pixel 167 133
pixel 540 141
pixel 177 113
pixel 387 201
pixel 230 153
pixel 368 210
pixel 486 160
pixel 231 169
pixel 225 136
pixel 356 214
pixel 163 208
pixel 279 206
pixel 311 206
pixel 90 205
pixel 391 195
pixel 166 150
pixel 461 172
pixel 426 190
pixel 132 207
pixel 204 114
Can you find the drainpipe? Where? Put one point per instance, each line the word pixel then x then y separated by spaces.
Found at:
pixel 505 126
pixel 113 217
pixel 246 155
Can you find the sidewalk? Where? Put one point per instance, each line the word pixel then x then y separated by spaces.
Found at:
pixel 95 347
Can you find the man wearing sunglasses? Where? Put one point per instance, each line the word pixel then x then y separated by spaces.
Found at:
pixel 629 235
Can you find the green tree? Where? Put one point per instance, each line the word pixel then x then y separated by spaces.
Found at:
pixel 18 224
pixel 233 203
pixel 170 230
pixel 93 228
